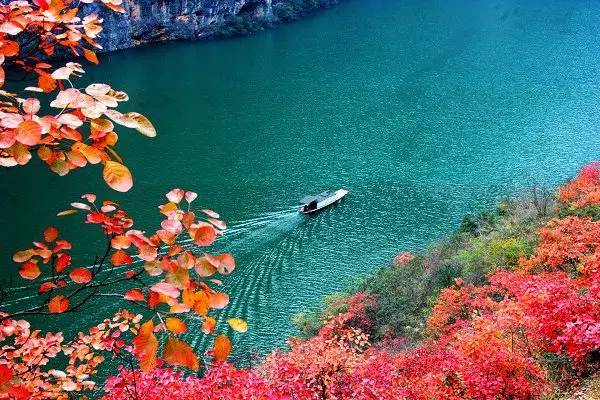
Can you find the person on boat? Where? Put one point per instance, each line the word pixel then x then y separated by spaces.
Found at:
pixel 310 206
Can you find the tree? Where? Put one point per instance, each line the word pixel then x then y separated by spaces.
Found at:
pixel 170 279
pixel 33 35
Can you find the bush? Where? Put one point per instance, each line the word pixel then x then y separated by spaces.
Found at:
pixel 488 255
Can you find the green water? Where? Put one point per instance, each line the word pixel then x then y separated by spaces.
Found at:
pixel 424 110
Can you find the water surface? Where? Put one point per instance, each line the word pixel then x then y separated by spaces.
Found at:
pixel 424 110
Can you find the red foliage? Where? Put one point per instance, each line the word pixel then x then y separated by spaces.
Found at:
pixel 220 383
pixel 570 244
pixel 486 342
pixel 584 190
pixel 403 258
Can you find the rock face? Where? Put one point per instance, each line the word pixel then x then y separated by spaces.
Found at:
pixel 158 20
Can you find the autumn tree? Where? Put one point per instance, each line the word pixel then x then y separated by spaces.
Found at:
pixel 162 274
pixel 34 36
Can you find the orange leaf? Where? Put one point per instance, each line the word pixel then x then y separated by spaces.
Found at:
pixel 29 133
pixel 29 270
pixel 178 353
pixel 145 346
pixel 50 234
pixel 90 56
pixel 58 304
pixel 10 48
pixel 46 83
pixel 221 348
pixel 204 267
pixel 208 326
pixel 81 275
pixel 218 300
pixel 120 242
pixel 205 235
pixel 134 295
pixel 117 176
pixel 119 257
pixel 175 325
pixel 22 256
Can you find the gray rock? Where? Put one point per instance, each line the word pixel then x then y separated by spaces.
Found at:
pixel 148 21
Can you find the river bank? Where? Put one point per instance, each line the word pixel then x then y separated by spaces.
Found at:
pixel 147 21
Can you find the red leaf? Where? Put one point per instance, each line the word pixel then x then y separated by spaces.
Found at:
pixel 62 262
pixel 96 218
pixel 6 374
pixel 134 295
pixel 46 287
pixel 43 4
pixel 61 245
pixel 205 235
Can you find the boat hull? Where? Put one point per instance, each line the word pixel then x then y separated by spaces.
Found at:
pixel 329 201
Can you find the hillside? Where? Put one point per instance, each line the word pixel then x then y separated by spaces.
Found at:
pixel 507 308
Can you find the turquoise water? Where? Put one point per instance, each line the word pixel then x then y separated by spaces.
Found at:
pixel 423 110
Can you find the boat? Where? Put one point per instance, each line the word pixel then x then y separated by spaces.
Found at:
pixel 312 204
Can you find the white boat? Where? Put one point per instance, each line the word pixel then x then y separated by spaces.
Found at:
pixel 311 204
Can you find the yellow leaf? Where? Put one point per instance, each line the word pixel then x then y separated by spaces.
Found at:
pixel 66 212
pixel 238 325
pixel 143 124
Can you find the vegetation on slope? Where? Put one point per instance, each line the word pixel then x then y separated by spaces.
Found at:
pixel 245 22
pixel 406 289
pixel 520 318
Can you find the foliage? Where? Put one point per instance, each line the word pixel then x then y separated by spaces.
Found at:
pixel 531 323
pixel 505 308
pixel 483 243
pixel 170 281
pixel 584 190
pixel 81 131
pixel 291 10
pixel 489 253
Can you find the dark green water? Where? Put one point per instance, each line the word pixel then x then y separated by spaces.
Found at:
pixel 424 110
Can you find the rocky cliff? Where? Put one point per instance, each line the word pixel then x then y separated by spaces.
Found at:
pixel 159 20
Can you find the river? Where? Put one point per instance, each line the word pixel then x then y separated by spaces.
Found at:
pixel 424 110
